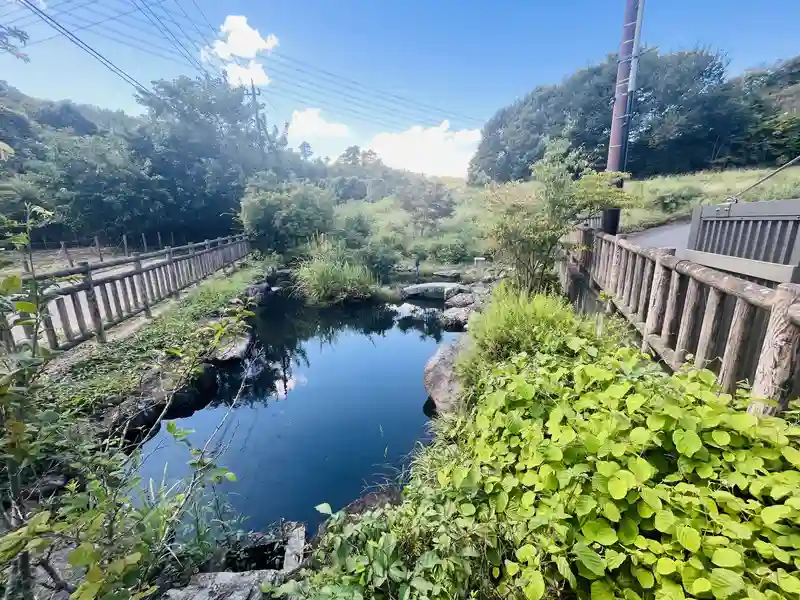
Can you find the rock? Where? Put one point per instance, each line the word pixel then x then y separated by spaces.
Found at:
pixel 225 586
pixel 439 290
pixel 279 277
pixel 258 293
pixel 295 547
pixel 233 348
pixel 440 377
pixel 448 274
pixel 460 300
pixel 455 319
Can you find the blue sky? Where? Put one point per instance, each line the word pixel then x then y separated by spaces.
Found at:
pixel 336 61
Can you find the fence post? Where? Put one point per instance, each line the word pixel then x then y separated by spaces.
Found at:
pixel 616 260
pixel 139 280
pixel 97 245
pixel 172 239
pixel 66 253
pixel 160 245
pixel 779 354
pixel 173 280
pixel 91 301
pixel 25 266
pixel 144 243
pixel 208 269
pixel 658 297
pixel 125 244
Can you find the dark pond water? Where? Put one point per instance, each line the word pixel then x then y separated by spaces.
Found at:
pixel 334 402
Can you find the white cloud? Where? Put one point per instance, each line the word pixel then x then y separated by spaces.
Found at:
pixel 238 39
pixel 432 150
pixel 309 125
pixel 239 75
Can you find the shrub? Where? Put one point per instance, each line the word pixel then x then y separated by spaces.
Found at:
pixel 329 276
pixel 671 201
pixel 281 219
pixel 379 258
pixel 583 470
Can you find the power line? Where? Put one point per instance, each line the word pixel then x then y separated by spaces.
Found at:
pixel 33 18
pixel 85 47
pixel 197 47
pixel 160 24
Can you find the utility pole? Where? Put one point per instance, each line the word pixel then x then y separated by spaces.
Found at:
pixel 254 93
pixel 620 118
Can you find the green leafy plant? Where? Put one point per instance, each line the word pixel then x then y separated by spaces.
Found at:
pixel 581 469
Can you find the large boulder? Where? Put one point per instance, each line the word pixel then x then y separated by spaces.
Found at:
pixel 455 319
pixel 448 274
pixel 438 290
pixel 232 348
pixel 258 293
pixel 440 378
pixel 225 586
pixel 460 300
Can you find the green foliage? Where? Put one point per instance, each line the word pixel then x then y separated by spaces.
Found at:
pixel 280 220
pixel 674 200
pixel 581 469
pixel 687 116
pixel 531 222
pixel 329 275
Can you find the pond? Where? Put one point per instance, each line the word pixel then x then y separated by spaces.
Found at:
pixel 333 402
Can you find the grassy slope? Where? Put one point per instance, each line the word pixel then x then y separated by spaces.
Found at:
pixel 714 187
pixel 116 368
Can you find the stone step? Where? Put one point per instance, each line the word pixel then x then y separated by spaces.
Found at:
pixel 225 586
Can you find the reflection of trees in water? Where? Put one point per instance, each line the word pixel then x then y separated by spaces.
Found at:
pixel 283 326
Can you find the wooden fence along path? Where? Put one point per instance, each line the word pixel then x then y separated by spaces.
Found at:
pixel 687 313
pixel 92 298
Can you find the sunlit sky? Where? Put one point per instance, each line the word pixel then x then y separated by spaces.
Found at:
pixel 413 79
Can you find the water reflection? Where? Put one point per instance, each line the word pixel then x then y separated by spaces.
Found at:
pixel 284 326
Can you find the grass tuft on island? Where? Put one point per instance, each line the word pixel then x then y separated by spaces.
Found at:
pixel 577 468
pixel 115 369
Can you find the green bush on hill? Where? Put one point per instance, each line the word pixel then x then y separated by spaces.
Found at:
pixel 331 275
pixel 580 469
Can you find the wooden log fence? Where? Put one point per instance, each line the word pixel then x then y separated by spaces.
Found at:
pixel 95 300
pixel 692 315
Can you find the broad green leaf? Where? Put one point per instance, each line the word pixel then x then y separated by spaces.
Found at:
pixel 526 553
pixel 617 488
pixel 664 520
pixel 628 531
pixel 726 557
pixel 788 583
pixel 584 505
pixel 611 512
pixel 467 509
pixel 651 498
pixel 24 306
pixel 500 501
pixel 598 530
pixel 689 538
pixel 535 587
pixel 324 508
pixel 645 578
pixel 639 436
pixel 641 469
pixel 601 591
pixel 686 442
pixel 614 559
pixel 590 559
pixel 792 455
pixel 741 421
pixel 665 566
pixel 725 583
pixel 562 564
pixel 773 514
pixel 83 555
pixel 512 568
pixel 720 437
pixel 701 585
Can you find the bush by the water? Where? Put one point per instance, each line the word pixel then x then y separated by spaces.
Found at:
pixel 329 275
pixel 581 469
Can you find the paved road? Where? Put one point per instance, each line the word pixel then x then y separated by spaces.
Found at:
pixel 675 236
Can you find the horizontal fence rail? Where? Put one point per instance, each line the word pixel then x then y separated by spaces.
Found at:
pixel 91 298
pixel 690 314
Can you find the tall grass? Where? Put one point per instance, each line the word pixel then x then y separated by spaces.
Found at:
pixel 329 276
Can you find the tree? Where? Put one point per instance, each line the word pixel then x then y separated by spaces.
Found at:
pixel 350 157
pixel 282 218
pixel 427 203
pixel 532 221
pixel 305 150
pixel 11 41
